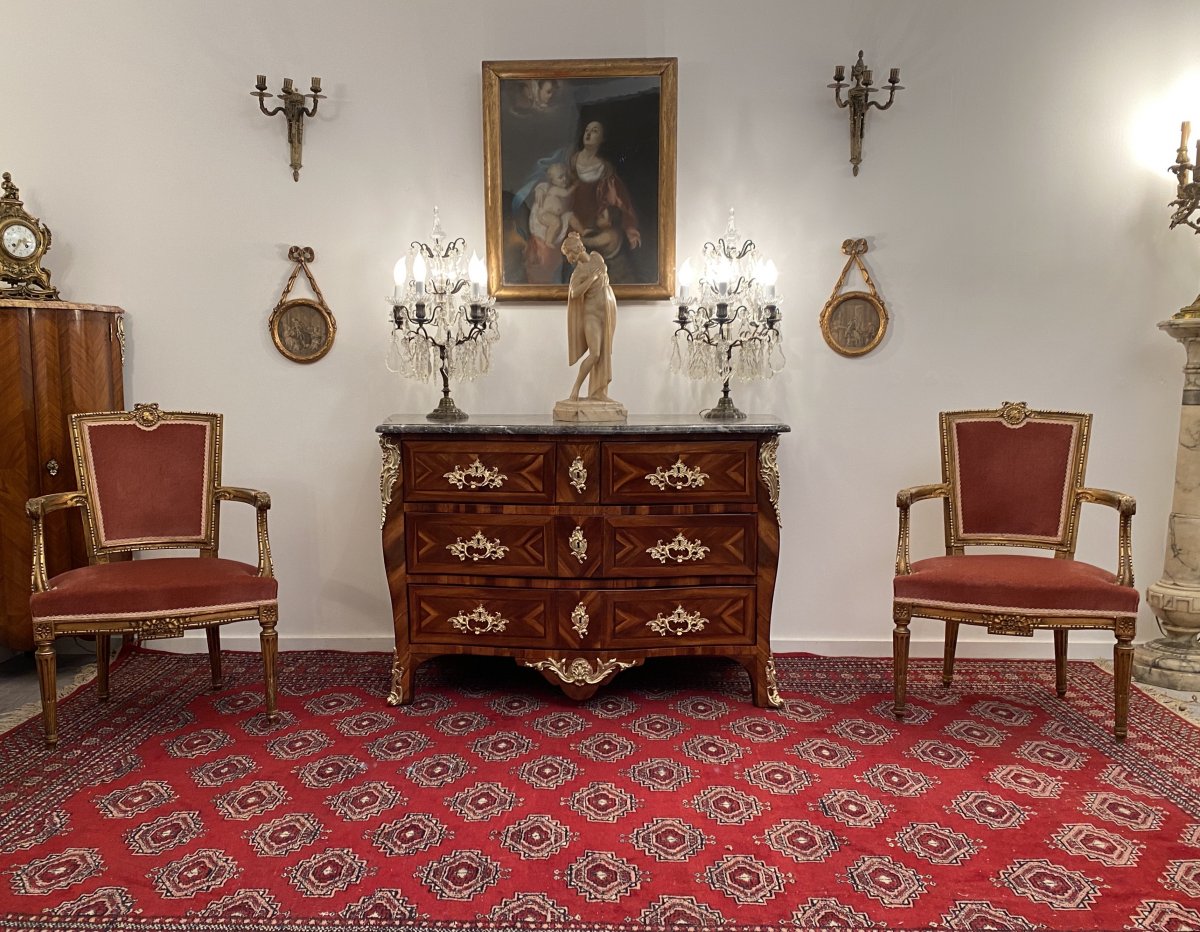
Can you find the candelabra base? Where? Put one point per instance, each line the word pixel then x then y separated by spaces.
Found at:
pixel 725 410
pixel 447 410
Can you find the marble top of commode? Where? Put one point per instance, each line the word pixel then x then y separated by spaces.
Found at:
pixel 755 424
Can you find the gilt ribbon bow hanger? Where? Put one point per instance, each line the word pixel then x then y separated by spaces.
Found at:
pixel 301 255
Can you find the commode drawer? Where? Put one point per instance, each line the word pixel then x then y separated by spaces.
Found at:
pixel 480 544
pixel 478 471
pixel 479 616
pixel 684 473
pixel 681 617
pixel 667 546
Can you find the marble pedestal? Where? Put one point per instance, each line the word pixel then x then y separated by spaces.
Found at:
pixel 1173 661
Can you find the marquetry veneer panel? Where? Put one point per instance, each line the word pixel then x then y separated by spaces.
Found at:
pixel 56 359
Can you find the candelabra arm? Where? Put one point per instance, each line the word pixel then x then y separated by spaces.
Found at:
pixel 891 98
pixel 262 95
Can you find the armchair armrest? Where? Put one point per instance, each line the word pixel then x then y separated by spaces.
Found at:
pixel 262 503
pixel 37 509
pixel 904 500
pixel 1125 506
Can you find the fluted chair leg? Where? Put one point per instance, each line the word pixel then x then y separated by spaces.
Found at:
pixel 268 640
pixel 1122 672
pixel 47 683
pixel 214 655
pixel 902 615
pixel 1060 661
pixel 948 649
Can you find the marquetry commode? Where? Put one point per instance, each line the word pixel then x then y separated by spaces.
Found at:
pixel 580 550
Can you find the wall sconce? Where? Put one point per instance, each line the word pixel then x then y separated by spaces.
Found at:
pixel 858 100
pixel 1187 199
pixel 293 110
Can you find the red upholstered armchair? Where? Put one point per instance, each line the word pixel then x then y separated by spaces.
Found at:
pixel 1014 478
pixel 148 480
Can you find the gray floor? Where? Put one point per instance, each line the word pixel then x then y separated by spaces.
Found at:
pixel 18 674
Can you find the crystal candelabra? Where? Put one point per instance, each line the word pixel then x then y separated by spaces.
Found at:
pixel 727 325
pixel 444 320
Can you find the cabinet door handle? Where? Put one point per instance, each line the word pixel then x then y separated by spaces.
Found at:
pixel 478 548
pixel 681 550
pixel 52 467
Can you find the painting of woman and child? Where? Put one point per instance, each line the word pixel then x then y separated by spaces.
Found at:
pixel 583 147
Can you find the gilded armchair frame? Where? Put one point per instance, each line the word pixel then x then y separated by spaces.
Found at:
pixel 146 625
pixel 1016 621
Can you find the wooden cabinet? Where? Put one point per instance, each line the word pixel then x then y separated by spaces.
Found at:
pixel 581 550
pixel 56 359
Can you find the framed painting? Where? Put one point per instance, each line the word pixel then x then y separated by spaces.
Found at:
pixel 302 329
pixel 854 322
pixel 585 145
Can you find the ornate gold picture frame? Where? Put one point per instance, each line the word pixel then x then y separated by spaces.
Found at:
pixel 585 145
pixel 302 329
pixel 854 322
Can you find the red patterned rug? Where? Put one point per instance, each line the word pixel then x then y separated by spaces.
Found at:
pixel 665 802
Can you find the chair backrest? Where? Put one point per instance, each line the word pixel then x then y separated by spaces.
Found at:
pixel 149 478
pixel 1012 474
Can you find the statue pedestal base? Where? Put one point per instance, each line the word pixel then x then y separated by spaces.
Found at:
pixel 587 409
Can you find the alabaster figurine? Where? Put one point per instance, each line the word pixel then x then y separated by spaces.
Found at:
pixel 591 322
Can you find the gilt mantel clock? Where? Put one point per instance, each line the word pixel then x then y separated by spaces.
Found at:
pixel 23 241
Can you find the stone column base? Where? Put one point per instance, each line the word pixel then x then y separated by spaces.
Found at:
pixel 1168 662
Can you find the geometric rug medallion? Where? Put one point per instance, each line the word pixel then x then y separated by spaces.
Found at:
pixel 665 802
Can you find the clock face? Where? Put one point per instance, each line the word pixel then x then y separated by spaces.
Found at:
pixel 19 241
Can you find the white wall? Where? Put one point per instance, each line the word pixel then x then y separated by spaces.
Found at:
pixel 1020 245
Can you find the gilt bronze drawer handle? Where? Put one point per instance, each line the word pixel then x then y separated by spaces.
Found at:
pixel 678 476
pixel 580 620
pixel 479 621
pixel 681 550
pixel 478 548
pixel 578 544
pixel 578 474
pixel 475 476
pixel 677 623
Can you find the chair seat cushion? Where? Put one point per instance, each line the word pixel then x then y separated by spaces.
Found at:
pixel 134 588
pixel 1015 583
